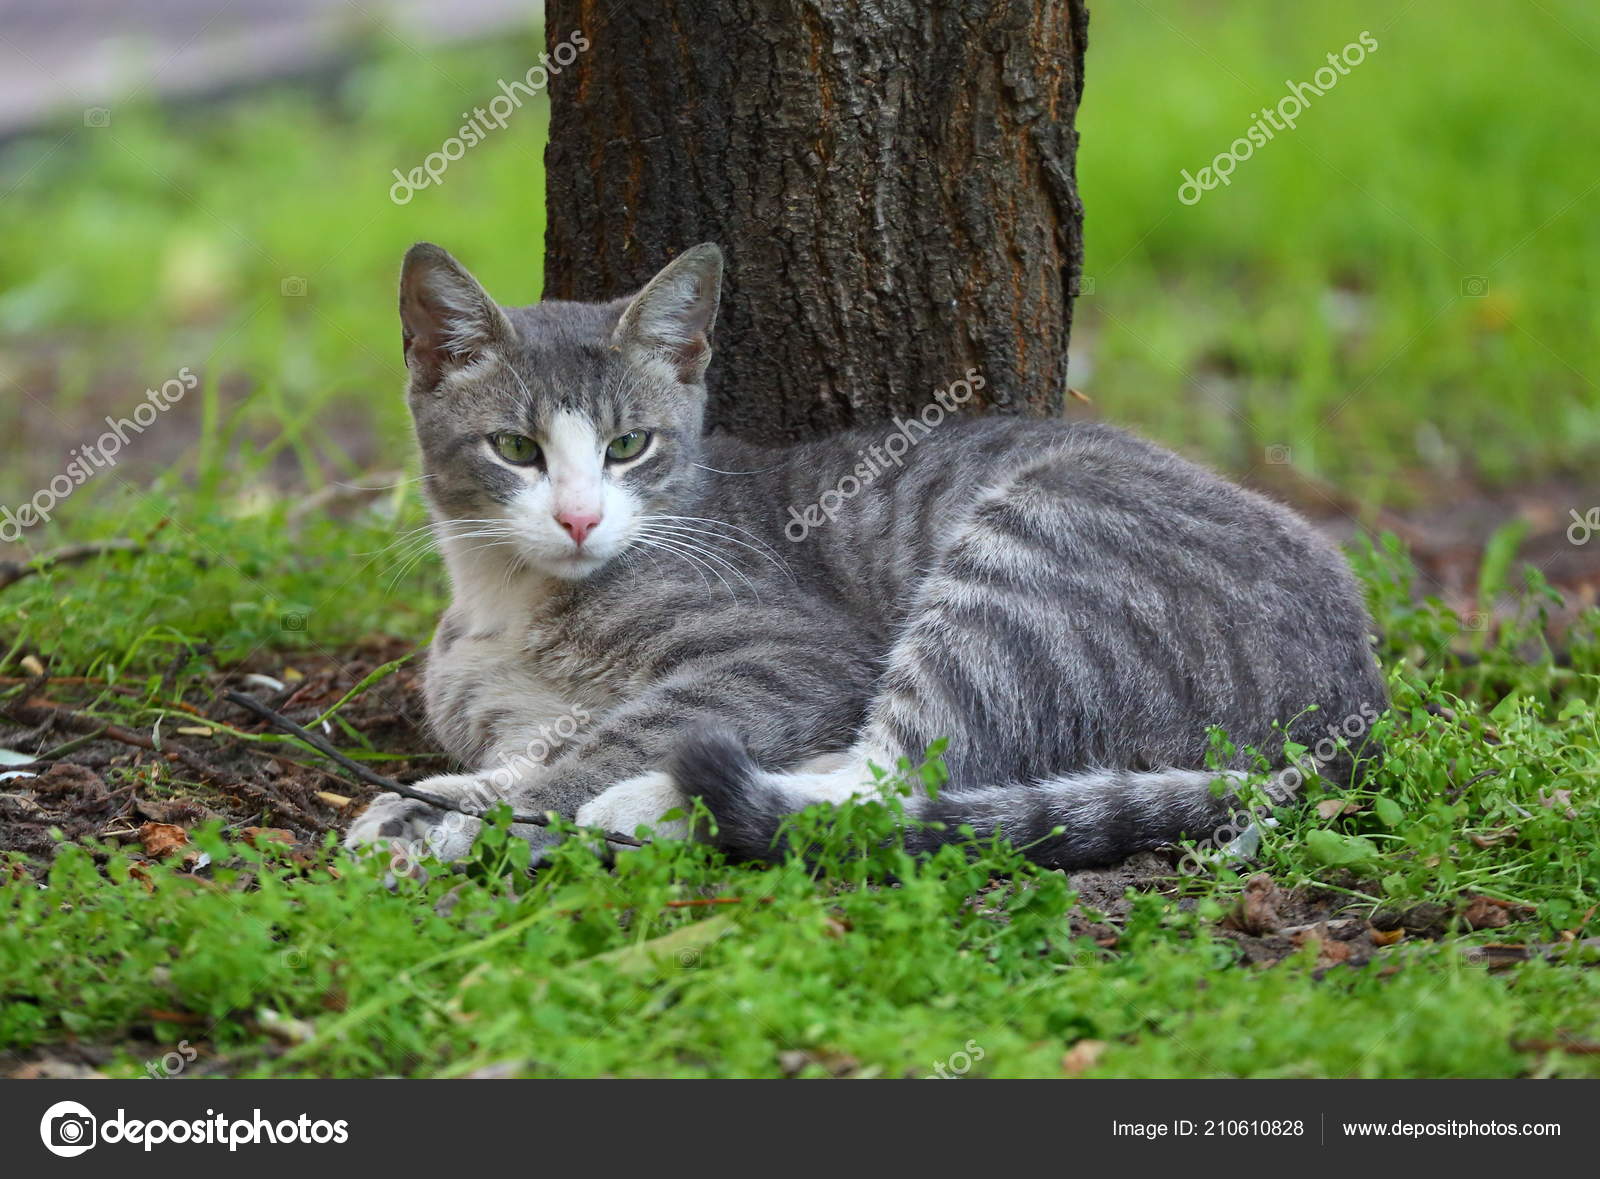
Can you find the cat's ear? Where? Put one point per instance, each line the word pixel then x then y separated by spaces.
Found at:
pixel 447 319
pixel 673 316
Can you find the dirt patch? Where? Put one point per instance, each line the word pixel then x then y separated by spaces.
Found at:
pixel 107 777
pixel 1452 525
pixel 1269 924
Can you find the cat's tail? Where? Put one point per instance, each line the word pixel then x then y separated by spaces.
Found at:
pixel 1073 821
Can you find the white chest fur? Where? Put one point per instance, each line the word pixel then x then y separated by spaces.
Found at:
pixel 488 684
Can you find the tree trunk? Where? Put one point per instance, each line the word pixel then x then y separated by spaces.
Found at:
pixel 892 182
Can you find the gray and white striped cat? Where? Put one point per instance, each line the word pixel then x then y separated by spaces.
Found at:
pixel 642 613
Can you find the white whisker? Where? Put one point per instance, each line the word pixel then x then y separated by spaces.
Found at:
pixel 703 551
pixel 694 557
pixel 764 551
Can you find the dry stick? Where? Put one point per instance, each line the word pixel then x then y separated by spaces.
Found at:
pixel 209 773
pixel 1574 1047
pixel 326 748
pixel 14 571
pixel 90 681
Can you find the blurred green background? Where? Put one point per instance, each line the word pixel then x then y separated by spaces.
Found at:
pixel 1396 299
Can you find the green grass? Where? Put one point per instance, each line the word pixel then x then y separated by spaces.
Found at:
pixel 590 973
pixel 868 962
pixel 236 578
pixel 1317 301
pixel 255 242
pixel 1316 304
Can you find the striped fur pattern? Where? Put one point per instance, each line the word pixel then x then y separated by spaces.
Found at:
pixel 1069 606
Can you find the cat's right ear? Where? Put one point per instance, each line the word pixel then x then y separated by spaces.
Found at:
pixel 447 319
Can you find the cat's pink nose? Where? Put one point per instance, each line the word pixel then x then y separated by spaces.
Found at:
pixel 578 524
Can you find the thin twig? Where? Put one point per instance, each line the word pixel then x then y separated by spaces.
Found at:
pixel 85 723
pixel 1573 1047
pixel 14 571
pixel 1455 792
pixel 327 749
pixel 90 681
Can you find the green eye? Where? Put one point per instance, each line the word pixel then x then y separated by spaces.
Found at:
pixel 515 448
pixel 630 445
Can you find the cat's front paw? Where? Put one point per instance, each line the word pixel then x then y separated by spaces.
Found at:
pixel 637 801
pixel 416 830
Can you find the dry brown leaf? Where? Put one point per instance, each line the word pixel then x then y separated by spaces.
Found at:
pixel 162 839
pixel 1257 912
pixel 259 837
pixel 1082 1057
pixel 1493 838
pixel 1330 951
pixel 64 779
pixel 170 810
pixel 836 1064
pixel 164 1015
pixel 1332 808
pixel 1570 935
pixel 1561 799
pixel 1486 913
pixel 1575 1047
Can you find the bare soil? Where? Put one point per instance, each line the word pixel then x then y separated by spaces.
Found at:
pixel 108 783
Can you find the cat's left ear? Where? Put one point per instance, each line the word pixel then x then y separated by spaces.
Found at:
pixel 673 316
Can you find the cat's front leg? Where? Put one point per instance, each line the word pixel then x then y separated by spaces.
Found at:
pixel 615 778
pixel 414 829
pixel 637 801
pixel 512 772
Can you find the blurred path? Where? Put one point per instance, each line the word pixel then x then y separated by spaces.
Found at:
pixel 62 55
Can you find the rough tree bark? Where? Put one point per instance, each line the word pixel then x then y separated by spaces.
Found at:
pixel 892 181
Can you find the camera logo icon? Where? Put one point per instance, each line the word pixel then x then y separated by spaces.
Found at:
pixel 68 1129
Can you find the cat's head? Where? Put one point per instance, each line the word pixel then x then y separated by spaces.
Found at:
pixel 551 432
